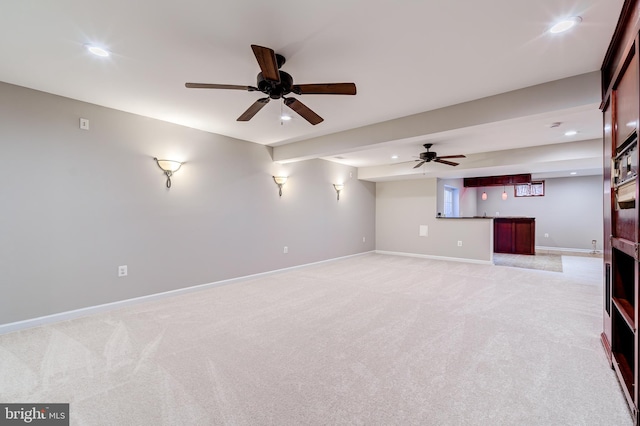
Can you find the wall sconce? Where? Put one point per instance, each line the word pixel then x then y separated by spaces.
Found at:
pixel 504 193
pixel 280 180
pixel 169 167
pixel 484 196
pixel 338 187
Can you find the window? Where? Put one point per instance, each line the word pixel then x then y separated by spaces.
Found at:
pixel 533 189
pixel 450 201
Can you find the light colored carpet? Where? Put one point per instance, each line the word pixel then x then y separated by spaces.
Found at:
pixel 373 339
pixel 544 262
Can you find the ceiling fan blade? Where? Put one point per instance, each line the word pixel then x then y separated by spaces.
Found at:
pixel 268 63
pixel 449 163
pixel 452 156
pixel 219 86
pixel 303 110
pixel 325 89
pixel 253 109
pixel 419 164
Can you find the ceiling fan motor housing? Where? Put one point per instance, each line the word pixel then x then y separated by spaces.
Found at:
pixel 275 89
pixel 428 156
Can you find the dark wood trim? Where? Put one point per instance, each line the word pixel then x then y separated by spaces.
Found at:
pixel 620 104
pixel 617 74
pixel 624 245
pixel 623 37
pixel 618 33
pixel 607 348
pixel 626 311
pixel 623 370
pixel 484 181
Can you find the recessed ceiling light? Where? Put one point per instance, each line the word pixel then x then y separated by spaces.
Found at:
pixel 565 25
pixel 570 133
pixel 631 124
pixel 97 50
pixel 394 157
pixel 573 173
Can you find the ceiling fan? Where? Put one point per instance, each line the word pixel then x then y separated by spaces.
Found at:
pixel 427 157
pixel 276 84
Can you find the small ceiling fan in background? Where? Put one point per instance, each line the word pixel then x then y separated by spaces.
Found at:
pixel 428 156
pixel 276 84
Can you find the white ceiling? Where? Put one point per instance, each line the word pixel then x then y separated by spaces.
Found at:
pixel 405 56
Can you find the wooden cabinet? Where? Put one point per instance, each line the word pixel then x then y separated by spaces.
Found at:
pixel 496 180
pixel 514 235
pixel 621 114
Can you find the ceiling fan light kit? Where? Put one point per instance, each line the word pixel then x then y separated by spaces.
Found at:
pixel 276 84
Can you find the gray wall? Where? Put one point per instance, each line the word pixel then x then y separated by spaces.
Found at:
pixel 403 206
pixel 76 204
pixel 570 211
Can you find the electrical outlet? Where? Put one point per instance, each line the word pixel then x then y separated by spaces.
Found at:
pixel 285 250
pixel 364 239
pixel 423 231
pixel 459 243
pixel 546 235
pixel 122 271
pixel 84 124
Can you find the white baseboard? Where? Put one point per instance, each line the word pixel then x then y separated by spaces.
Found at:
pixel 83 312
pixel 428 256
pixel 566 250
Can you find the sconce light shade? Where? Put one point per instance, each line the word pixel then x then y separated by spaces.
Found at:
pixel 484 195
pixel 338 187
pixel 504 195
pixel 280 180
pixel 169 167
